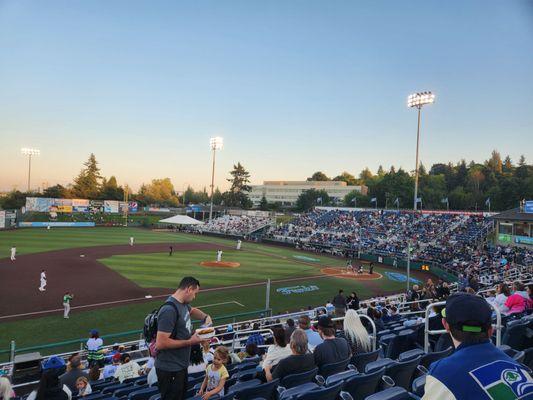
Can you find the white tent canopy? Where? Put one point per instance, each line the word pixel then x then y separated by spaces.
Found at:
pixel 181 220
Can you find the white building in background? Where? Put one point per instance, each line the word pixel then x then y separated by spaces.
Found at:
pixel 287 192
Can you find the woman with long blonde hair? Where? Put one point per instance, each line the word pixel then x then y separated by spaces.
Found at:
pixel 356 334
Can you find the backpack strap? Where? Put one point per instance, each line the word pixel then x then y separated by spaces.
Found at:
pixel 171 303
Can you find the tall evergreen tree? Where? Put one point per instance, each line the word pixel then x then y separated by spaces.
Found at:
pixel 87 184
pixel 237 196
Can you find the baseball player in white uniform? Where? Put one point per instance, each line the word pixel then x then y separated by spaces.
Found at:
pixel 132 239
pixel 42 288
pixel 239 244
pixel 219 255
pixel 13 253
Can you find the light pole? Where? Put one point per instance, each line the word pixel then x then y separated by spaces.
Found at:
pixel 216 144
pixel 25 151
pixel 417 100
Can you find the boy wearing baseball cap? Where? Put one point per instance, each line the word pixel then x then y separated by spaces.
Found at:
pixel 477 369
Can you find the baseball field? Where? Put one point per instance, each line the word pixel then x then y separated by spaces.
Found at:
pixel 115 285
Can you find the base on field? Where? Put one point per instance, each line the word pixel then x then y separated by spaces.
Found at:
pixel 341 273
pixel 220 264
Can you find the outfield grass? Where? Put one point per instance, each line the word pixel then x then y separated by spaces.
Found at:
pixel 34 240
pixel 160 270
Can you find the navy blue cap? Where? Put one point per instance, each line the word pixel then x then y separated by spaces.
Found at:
pixel 468 312
pixel 325 322
pixel 54 362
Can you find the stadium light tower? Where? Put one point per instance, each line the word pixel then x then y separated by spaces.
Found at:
pixel 216 144
pixel 418 100
pixel 25 151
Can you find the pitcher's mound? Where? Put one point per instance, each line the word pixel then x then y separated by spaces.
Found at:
pixel 341 273
pixel 220 264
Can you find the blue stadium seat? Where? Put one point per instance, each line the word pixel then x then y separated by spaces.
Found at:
pixel 515 335
pixel 400 343
pixel 341 376
pixel 123 392
pixel 297 379
pixel 430 358
pixel 360 360
pixel 393 393
pixel 243 385
pixel 402 372
pixel 245 375
pixel 363 385
pixel 294 391
pixel 96 396
pixel 143 394
pixel 410 354
pixel 111 389
pixel 378 364
pixel 331 369
pixel 418 385
pixel 324 393
pixel 155 397
pixel 265 390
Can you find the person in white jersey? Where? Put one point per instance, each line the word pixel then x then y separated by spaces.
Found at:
pixel 132 239
pixel 42 288
pixel 219 255
pixel 13 253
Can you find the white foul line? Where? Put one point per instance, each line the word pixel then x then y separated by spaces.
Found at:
pixel 112 302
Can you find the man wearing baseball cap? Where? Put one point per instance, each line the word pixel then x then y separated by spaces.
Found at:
pixel 477 369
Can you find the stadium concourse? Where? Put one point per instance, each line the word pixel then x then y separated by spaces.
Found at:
pixel 391 341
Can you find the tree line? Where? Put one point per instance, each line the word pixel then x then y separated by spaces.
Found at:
pixel 461 186
pixel 90 184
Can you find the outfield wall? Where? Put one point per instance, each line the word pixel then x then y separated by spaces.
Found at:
pixel 56 224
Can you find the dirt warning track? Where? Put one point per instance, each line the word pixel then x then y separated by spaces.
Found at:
pixel 89 280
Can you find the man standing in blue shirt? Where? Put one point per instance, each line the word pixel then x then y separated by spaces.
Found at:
pixel 477 369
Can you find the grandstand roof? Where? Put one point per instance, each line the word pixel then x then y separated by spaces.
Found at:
pixel 514 214
pixel 181 220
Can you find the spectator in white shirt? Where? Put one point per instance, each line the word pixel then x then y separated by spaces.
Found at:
pixel 128 369
pixel 279 350
pixel 501 297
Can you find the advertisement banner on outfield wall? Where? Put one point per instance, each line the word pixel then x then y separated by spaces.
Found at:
pixel 63 209
pixel 133 206
pixel 2 219
pixel 80 205
pixel 122 207
pixel 523 240
pixel 62 202
pixel 504 238
pixel 111 206
pixel 39 204
pixel 96 206
pixel 55 224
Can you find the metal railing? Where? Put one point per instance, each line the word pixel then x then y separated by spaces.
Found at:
pixel 427 331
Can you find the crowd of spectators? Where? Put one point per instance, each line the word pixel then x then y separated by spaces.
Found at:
pixel 235 224
pixel 433 237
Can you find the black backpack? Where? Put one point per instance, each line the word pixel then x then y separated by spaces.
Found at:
pixel 150 323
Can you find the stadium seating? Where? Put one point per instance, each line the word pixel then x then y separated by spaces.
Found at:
pixel 360 361
pixel 363 385
pixel 394 393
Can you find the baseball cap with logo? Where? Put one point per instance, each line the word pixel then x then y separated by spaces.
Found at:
pixel 468 312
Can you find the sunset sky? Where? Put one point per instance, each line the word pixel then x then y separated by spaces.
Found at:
pixel 292 86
